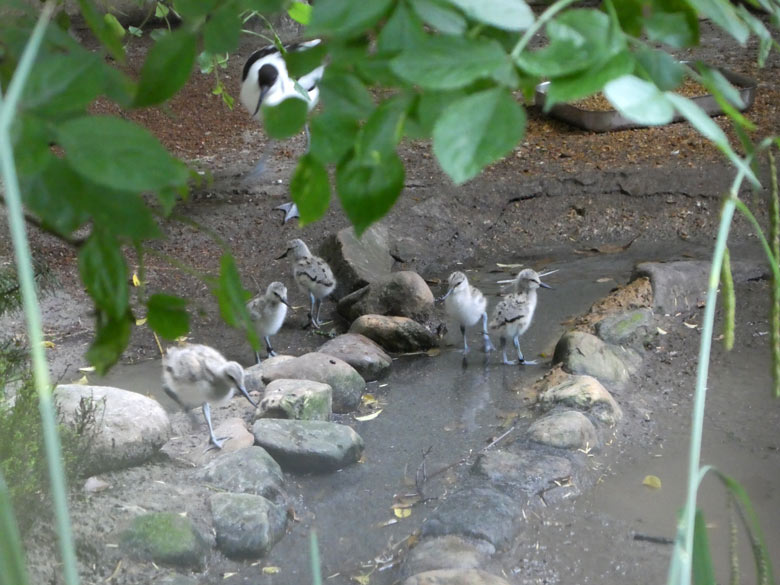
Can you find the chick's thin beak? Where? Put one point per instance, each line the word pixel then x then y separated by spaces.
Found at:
pixel 263 92
pixel 243 391
pixel 544 285
pixel 440 299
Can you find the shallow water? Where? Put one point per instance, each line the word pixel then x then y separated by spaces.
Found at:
pixel 451 408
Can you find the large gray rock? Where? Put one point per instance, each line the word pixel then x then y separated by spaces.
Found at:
pixel 583 353
pixel 522 473
pixel 166 538
pixel 629 327
pixel 297 399
pixel 455 577
pixel 682 285
pixel 584 393
pixel 568 429
pixel 401 294
pixel 308 445
pixel 447 552
pixel 395 334
pixel 129 428
pixel 347 385
pixel 246 525
pixel 357 262
pixel 249 471
pixel 360 352
pixel 477 512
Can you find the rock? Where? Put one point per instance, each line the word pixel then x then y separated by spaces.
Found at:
pixel 357 262
pixel 521 473
pixel 363 354
pixel 682 285
pixel 235 431
pixel 253 375
pixel 308 445
pixel 95 484
pixel 249 471
pixel 567 429
pixel 583 353
pixel 177 579
pixel 584 393
pixel 246 525
pixel 395 334
pixel 165 537
pixel 447 552
pixel 626 327
pixel 455 577
pixel 399 294
pixel 347 385
pixel 129 428
pixel 297 399
pixel 477 512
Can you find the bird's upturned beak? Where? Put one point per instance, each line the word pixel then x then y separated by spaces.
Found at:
pixel 544 285
pixel 263 92
pixel 440 299
pixel 243 391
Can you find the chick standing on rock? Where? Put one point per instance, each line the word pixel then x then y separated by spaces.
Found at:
pixel 268 312
pixel 199 375
pixel 513 315
pixel 466 304
pixel 313 276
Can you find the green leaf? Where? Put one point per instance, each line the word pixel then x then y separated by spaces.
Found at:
pixel 332 136
pixel 114 25
pixel 102 30
pixel 440 16
pixel 30 136
pixel 232 297
pixel 450 62
pixel 104 273
pixel 639 100
pixel 514 15
pixel 343 94
pixel 300 12
pixel 167 315
pixel 477 130
pixel 377 70
pixel 194 9
pixel 430 106
pixel 285 119
pixel 63 83
pixel 110 341
pixel 222 30
pixel 574 87
pixel 367 191
pixel 661 68
pixel 56 197
pixel 671 28
pixel 703 573
pixel 630 17
pixel 300 63
pixel 579 39
pixel 718 84
pixel 721 12
pixel 383 130
pixel 12 557
pixel 119 87
pixel 117 153
pixel 346 18
pixel 167 67
pixel 403 30
pixel 310 189
pixel 264 6
pixel 760 30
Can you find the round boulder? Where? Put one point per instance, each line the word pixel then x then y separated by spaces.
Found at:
pixel 403 294
pixel 360 352
pixel 395 334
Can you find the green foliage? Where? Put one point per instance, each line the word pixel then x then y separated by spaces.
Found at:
pixel 11 554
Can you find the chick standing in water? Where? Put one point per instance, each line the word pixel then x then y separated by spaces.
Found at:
pixel 313 276
pixel 199 375
pixel 513 315
pixel 466 304
pixel 268 312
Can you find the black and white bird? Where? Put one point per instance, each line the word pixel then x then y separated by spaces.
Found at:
pixel 265 81
pixel 198 375
pixel 513 315
pixel 313 276
pixel 466 305
pixel 268 312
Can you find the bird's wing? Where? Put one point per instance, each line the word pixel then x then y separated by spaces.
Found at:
pixel 317 272
pixel 257 307
pixel 508 311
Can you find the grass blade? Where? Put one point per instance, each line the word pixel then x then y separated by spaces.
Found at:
pixel 703 573
pixel 774 245
pixel 314 558
pixel 729 300
pixel 12 567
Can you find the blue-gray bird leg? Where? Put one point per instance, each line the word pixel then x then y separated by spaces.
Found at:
pixel 175 397
pixel 269 349
pixel 488 344
pixel 290 210
pixel 520 357
pixel 257 357
pixel 258 170
pixel 465 343
pixel 312 320
pixel 503 351
pixel 319 308
pixel 215 443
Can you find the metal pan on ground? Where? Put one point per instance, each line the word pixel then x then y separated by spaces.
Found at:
pixel 609 120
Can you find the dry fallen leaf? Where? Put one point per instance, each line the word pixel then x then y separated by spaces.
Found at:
pixel 48 344
pixel 368 399
pixel 402 512
pixel 228 575
pixel 136 280
pixel 508 265
pixel 387 523
pixel 371 416
pixel 604 279
pixel 661 331
pixel 690 325
pixel 433 352
pixel 652 481
pixel 87 369
pixel 140 322
pixel 271 570
pixel 82 381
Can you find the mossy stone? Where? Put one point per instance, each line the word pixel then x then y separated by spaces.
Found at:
pixel 167 538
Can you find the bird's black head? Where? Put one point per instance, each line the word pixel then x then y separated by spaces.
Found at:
pixel 267 76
